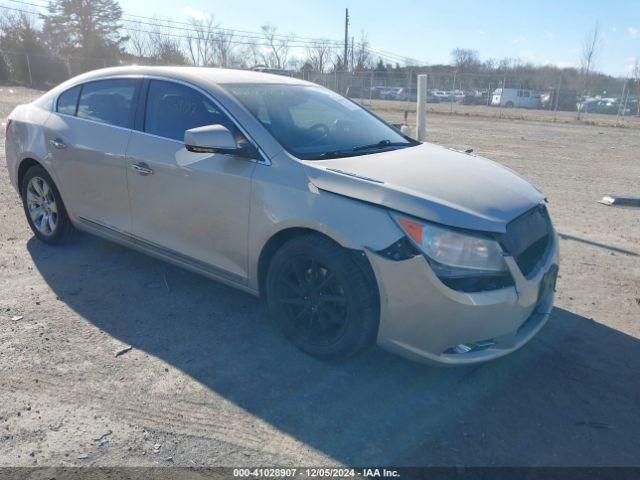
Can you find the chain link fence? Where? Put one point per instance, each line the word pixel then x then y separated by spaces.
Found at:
pixel 494 95
pixel 509 96
pixel 45 71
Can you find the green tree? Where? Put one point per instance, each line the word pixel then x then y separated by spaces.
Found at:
pixel 88 28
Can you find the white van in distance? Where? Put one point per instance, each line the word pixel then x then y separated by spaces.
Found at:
pixel 513 97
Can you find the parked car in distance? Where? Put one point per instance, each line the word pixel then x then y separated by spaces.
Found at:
pixel 407 94
pixel 431 98
pixel 458 95
pixel 564 101
pixel 514 97
pixel 411 94
pixel 607 106
pixel 355 91
pixel 588 105
pixel 443 96
pixel 475 98
pixel 633 104
pixel 379 91
pixel 391 93
pixel 352 232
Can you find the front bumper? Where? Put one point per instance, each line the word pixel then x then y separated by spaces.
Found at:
pixel 422 319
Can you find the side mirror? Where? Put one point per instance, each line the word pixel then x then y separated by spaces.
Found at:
pixel 210 139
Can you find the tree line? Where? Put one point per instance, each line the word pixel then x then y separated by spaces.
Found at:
pixel 73 36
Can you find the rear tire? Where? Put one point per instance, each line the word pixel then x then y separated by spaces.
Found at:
pixel 321 298
pixel 43 207
pixel 509 104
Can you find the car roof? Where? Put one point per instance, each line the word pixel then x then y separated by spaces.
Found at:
pixel 203 77
pixel 196 74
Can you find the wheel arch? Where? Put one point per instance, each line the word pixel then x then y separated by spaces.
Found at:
pixel 29 161
pixel 282 236
pixel 24 165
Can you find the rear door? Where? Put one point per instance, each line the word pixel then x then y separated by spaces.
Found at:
pixel 87 137
pixel 194 206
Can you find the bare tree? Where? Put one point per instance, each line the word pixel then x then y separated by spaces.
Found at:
pixel 318 55
pixel 465 59
pixel 201 44
pixel 224 49
pixel 362 55
pixel 155 44
pixel 246 56
pixel 489 64
pixel 589 54
pixel 338 63
pixel 635 80
pixel 164 48
pixel 138 43
pixel 274 51
pixel 635 69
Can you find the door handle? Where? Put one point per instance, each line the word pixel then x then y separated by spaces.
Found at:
pixel 142 168
pixel 58 143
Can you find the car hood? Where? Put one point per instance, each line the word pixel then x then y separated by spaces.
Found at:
pixel 431 182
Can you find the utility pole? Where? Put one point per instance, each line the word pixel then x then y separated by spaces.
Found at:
pixel 345 62
pixel 421 109
pixel 353 63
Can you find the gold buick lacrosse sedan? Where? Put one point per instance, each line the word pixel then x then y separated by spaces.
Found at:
pixel 353 232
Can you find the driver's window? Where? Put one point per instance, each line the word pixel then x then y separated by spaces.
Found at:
pixel 173 108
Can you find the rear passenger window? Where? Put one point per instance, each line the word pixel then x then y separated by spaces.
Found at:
pixel 173 108
pixel 68 100
pixel 108 101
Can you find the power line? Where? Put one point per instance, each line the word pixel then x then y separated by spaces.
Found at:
pixel 250 37
pixel 211 29
pixel 170 22
pixel 292 44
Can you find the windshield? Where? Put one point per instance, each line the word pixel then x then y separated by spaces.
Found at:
pixel 314 123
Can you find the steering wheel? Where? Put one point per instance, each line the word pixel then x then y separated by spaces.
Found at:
pixel 322 129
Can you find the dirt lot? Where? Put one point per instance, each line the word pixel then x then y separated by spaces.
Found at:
pixel 209 381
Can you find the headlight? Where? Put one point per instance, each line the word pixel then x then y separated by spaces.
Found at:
pixel 462 261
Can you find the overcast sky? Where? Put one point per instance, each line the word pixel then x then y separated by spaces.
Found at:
pixel 542 32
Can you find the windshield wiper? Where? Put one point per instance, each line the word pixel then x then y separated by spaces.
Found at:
pixel 381 144
pixel 336 154
pixel 361 149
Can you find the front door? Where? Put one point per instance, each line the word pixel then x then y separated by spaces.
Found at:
pixel 191 205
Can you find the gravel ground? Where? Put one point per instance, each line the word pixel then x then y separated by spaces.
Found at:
pixel 209 381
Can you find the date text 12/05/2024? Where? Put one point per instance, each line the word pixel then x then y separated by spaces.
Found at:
pixel 315 472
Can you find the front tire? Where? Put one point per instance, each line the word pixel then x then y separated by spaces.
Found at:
pixel 321 298
pixel 43 206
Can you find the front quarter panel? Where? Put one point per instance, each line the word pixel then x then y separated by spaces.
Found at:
pixel 283 197
pixel 26 139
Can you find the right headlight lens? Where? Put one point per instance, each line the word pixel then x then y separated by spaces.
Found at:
pixel 463 261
